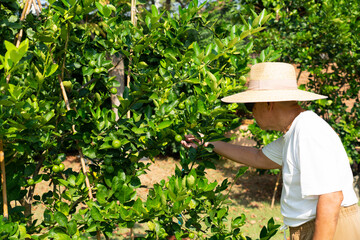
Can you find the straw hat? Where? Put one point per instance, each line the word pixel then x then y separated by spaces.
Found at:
pixel 272 82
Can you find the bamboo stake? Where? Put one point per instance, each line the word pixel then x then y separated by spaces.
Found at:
pixel 275 190
pixel 36 7
pixel 133 20
pixel 20 34
pixel 39 4
pixel 67 104
pixel 3 182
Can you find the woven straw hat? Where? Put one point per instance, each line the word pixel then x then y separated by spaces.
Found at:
pixel 272 82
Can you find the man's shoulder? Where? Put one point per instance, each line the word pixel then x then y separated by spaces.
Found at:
pixel 310 122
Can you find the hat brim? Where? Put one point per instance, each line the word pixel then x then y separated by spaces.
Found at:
pixel 272 96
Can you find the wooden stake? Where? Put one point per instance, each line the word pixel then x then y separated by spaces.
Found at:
pixel 19 37
pixel 67 104
pixel 133 20
pixel 275 189
pixel 3 182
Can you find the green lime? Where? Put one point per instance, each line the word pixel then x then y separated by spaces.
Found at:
pixel 191 235
pixel 178 138
pixel 61 167
pixel 243 78
pixel 190 180
pixel 78 9
pixel 92 63
pixel 55 168
pixel 181 105
pixel 116 143
pixel 107 161
pixel 97 70
pixel 109 169
pixel 67 85
pixel 113 90
pixel 30 181
pixel 219 125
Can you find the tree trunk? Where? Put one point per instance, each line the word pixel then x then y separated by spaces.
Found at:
pixel 119 72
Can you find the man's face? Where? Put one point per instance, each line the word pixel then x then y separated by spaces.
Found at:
pixel 262 114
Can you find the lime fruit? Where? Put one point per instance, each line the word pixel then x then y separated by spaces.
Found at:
pixel 107 161
pixel 190 180
pixel 109 169
pixel 67 85
pixel 116 143
pixel 92 63
pixel 55 168
pixel 181 105
pixel 113 90
pixel 178 138
pixel 219 125
pixel 61 167
pixel 30 181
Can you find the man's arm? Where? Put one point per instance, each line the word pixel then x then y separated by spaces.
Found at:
pixel 249 156
pixel 327 213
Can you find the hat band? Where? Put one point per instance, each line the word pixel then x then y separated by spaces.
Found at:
pixel 270 85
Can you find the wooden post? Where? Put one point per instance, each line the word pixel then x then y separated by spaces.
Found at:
pixel 3 182
pixel 133 21
pixel 275 189
pixel 23 15
pixel 67 104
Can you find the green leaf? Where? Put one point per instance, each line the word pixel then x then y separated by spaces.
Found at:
pixel 72 227
pixel 58 234
pixel 61 219
pixel 165 124
pixel 154 11
pixel 95 214
pixel 50 70
pixel 238 221
pixel 241 171
pixel 221 213
pixel 64 208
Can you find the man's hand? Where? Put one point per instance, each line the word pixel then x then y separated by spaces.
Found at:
pixel 192 141
pixel 327 213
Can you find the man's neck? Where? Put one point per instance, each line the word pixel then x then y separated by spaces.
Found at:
pixel 290 116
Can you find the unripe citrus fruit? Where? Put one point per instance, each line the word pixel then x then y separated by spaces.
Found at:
pixel 61 167
pixel 107 161
pixel 109 169
pixel 30 181
pixel 113 90
pixel 181 105
pixel 178 138
pixel 219 125
pixel 92 63
pixel 116 143
pixel 55 168
pixel 67 85
pixel 190 180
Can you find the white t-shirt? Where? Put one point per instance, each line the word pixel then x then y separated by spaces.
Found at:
pixel 314 162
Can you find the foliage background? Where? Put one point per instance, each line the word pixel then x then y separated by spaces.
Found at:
pixel 181 62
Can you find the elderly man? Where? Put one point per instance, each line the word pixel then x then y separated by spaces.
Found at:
pixel 318 201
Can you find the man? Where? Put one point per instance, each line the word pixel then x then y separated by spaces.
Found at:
pixel 318 201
